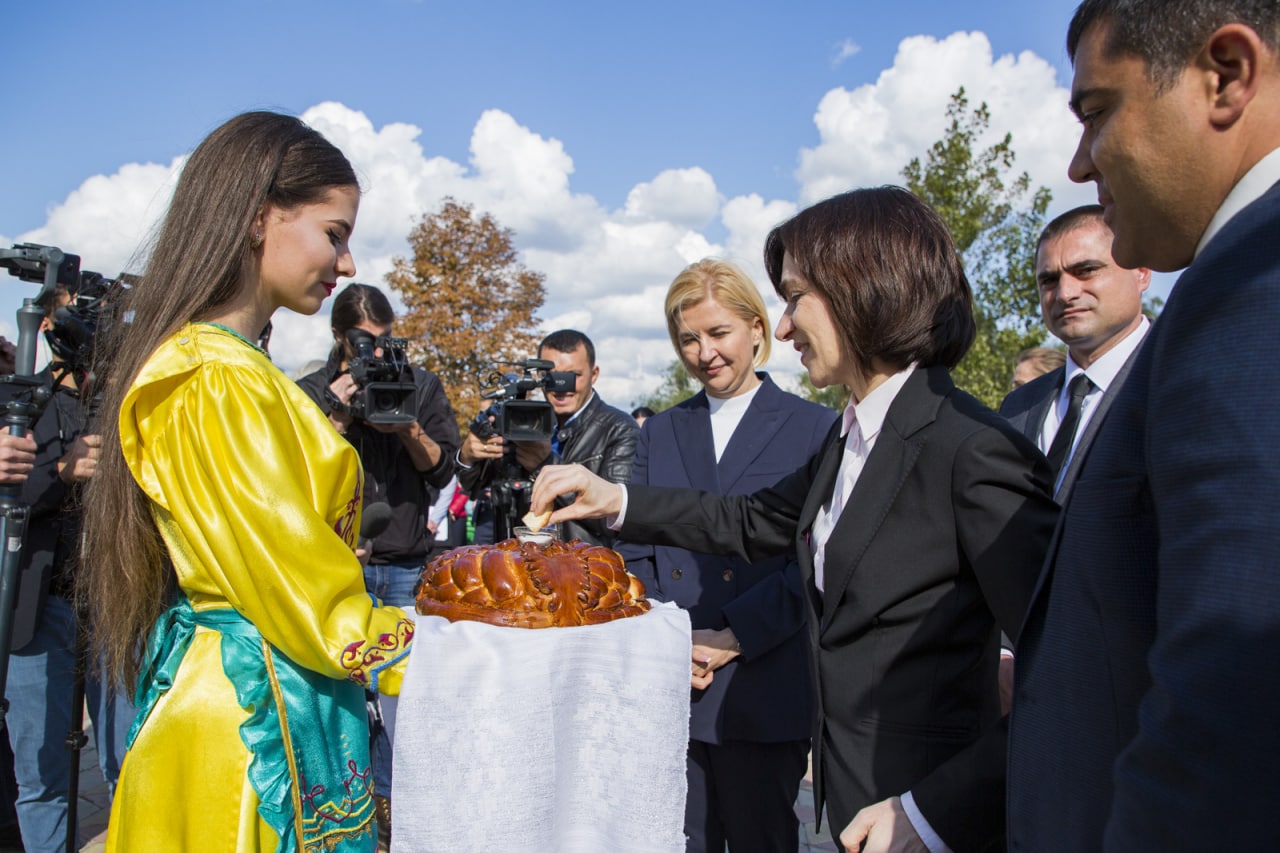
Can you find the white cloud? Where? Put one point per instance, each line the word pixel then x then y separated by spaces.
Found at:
pixel 607 270
pixel 869 133
pixel 683 196
pixel 844 50
pixel 107 218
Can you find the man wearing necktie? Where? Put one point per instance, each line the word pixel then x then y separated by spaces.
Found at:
pixel 1094 306
pixel 1144 716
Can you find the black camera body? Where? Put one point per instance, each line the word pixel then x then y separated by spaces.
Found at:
pixel 385 390
pixel 512 415
pixel 85 319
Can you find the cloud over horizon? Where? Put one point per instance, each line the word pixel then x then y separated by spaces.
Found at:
pixel 607 270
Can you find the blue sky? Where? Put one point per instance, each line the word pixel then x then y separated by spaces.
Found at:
pixel 619 141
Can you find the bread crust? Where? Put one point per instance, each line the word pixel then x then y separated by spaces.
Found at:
pixel 526 585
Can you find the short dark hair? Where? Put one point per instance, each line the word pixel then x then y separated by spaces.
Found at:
pixel 888 267
pixel 356 304
pixel 1166 34
pixel 568 340
pixel 1076 217
pixel 642 411
pixel 52 299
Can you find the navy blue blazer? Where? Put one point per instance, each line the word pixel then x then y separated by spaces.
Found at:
pixel 766 695
pixel 1147 698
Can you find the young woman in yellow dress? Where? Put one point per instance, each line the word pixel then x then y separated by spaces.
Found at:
pixel 220 570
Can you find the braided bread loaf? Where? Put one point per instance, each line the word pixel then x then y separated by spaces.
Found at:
pixel 525 585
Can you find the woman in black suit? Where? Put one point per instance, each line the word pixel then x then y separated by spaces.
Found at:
pixel 751 711
pixel 919 529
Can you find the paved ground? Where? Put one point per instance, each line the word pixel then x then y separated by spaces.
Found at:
pixel 95 809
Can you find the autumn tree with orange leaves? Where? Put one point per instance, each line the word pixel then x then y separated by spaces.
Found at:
pixel 468 301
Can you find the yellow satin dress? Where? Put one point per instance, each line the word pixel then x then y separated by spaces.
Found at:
pixel 258 501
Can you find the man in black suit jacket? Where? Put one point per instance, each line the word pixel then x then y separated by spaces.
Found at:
pixel 1146 704
pixel 1094 306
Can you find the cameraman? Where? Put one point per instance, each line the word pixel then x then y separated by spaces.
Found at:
pixel 589 432
pixel 405 465
pixel 49 462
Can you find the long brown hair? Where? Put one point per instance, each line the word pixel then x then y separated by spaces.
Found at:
pixel 202 250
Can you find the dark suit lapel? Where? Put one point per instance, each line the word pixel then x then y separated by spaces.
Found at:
pixel 1095 423
pixel 761 422
pixel 895 453
pixel 1034 423
pixel 819 491
pixel 695 444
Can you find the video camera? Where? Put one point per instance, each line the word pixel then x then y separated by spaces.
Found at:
pixel 512 415
pixel 50 266
pixel 386 392
pixel 81 321
pixel 85 317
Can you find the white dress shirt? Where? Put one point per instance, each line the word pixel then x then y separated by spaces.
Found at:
pixel 1101 373
pixel 1262 177
pixel 726 414
pixel 862 422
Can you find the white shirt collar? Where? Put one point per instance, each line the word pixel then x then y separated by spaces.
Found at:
pixel 872 409
pixel 1264 175
pixel 1103 371
pixel 735 405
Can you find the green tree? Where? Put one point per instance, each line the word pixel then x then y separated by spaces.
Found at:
pixel 468 301
pixel 677 386
pixel 995 218
pixel 833 396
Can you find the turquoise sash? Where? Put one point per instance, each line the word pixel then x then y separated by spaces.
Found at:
pixel 327 730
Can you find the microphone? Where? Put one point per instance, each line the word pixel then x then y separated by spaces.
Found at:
pixel 376 518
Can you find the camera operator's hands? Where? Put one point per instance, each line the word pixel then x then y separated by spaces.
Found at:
pixel 343 388
pixel 476 449
pixel 597 497
pixel 532 454
pixel 79 463
pixel 17 457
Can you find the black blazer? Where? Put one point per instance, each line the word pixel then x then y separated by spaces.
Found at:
pixel 937 548
pixel 764 696
pixel 1147 693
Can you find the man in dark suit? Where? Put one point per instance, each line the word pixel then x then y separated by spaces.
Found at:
pixel 1146 705
pixel 1094 306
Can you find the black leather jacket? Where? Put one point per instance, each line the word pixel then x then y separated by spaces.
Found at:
pixel 602 439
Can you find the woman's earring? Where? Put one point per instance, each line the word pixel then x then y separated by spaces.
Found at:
pixel 255 240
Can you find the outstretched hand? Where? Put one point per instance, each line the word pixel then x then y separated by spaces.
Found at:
pixel 884 828
pixel 596 497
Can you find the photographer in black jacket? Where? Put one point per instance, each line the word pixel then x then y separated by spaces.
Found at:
pixel 56 455
pixel 589 432
pixel 405 466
